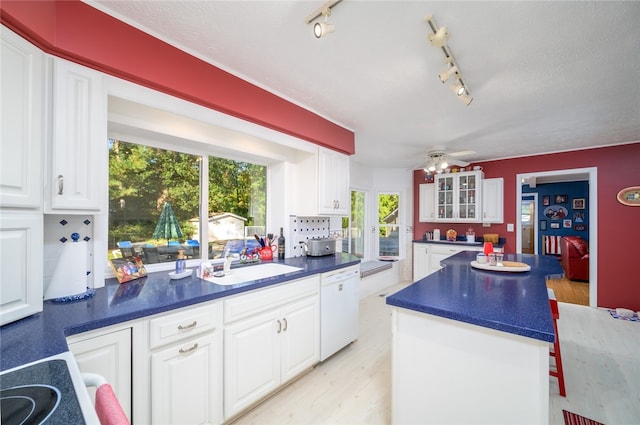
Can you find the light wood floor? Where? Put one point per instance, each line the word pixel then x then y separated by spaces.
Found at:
pixel 569 291
pixel 600 355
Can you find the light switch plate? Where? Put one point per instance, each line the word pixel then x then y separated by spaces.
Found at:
pixel 509 227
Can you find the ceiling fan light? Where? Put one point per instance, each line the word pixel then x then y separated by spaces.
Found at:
pixel 432 167
pixel 444 164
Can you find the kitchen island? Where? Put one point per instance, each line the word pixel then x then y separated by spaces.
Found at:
pixel 471 346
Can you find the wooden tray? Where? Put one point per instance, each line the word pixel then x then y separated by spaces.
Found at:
pixel 508 266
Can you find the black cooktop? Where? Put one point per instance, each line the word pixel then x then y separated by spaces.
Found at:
pixel 40 393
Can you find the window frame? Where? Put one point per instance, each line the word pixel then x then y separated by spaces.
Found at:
pixel 402 227
pixel 203 153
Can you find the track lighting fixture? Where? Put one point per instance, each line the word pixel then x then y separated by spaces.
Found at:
pixel 322 28
pixel 439 38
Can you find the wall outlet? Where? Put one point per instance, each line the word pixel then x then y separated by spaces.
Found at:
pixel 509 227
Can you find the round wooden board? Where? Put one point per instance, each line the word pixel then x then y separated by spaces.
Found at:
pixel 508 266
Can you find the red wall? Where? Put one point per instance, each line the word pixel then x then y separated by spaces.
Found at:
pixel 618 225
pixel 78 32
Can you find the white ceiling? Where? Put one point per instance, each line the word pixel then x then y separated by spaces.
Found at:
pixel 545 76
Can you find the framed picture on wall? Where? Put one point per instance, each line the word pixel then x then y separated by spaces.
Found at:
pixel 579 227
pixel 578 217
pixel 560 199
pixel 554 225
pixel 546 200
pixel 566 224
pixel 579 203
pixel 543 224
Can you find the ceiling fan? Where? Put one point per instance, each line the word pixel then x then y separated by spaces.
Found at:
pixel 438 159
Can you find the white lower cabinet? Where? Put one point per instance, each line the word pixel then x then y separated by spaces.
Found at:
pixel 185 382
pixel 186 366
pixel 420 261
pixel 427 256
pixel 270 337
pixel 106 353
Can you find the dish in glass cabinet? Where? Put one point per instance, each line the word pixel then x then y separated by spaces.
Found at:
pixel 629 196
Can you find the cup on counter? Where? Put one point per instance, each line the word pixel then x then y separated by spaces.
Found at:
pixel 499 258
pixel 493 261
pixel 481 258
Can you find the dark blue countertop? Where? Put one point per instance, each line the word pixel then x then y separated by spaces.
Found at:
pixel 43 334
pixel 517 303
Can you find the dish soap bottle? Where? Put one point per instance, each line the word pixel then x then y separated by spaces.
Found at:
pixel 180 262
pixel 281 245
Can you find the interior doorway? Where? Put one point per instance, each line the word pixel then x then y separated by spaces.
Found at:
pixel 529 216
pixel 589 174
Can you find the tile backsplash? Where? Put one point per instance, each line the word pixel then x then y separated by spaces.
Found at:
pixel 57 231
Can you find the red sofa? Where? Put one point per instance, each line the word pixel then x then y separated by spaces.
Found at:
pixel 574 257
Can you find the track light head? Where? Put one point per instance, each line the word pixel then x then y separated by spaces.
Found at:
pixel 458 88
pixel 466 98
pixel 323 28
pixel 445 75
pixel 439 38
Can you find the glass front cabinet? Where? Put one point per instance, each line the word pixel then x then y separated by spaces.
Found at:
pixel 458 196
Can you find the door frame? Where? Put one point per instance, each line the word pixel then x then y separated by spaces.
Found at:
pixel 592 173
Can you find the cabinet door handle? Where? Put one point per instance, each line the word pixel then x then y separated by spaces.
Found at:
pixel 60 184
pixel 188 350
pixel 279 326
pixel 189 326
pixel 340 287
pixel 284 319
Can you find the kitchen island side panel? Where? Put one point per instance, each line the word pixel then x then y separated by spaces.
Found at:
pixel 446 371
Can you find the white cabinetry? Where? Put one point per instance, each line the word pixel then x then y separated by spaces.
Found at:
pixel 107 353
pixel 420 261
pixel 76 174
pixel 427 256
pixel 426 205
pixel 21 145
pixel 21 236
pixel 458 197
pixel 270 336
pixel 186 366
pixel 21 220
pixel 493 200
pixel 322 184
pixel 333 182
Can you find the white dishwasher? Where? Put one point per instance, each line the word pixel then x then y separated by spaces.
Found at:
pixel 339 309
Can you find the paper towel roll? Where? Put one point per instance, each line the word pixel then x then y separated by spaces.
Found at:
pixel 70 275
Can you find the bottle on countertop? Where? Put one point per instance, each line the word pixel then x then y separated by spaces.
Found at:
pixel 281 245
pixel 180 262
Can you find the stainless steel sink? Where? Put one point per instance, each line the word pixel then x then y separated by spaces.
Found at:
pixel 251 273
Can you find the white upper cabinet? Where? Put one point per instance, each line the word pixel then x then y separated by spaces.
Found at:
pixel 458 197
pixel 426 197
pixel 493 200
pixel 76 176
pixel 322 184
pixel 333 182
pixel 21 146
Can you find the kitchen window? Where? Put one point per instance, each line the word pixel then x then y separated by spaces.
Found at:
pixel 389 225
pixel 156 199
pixel 354 225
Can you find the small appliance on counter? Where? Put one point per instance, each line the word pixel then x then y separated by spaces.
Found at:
pixel 321 247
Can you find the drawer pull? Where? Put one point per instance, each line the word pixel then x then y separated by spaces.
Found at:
pixel 285 323
pixel 189 326
pixel 279 326
pixel 190 349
